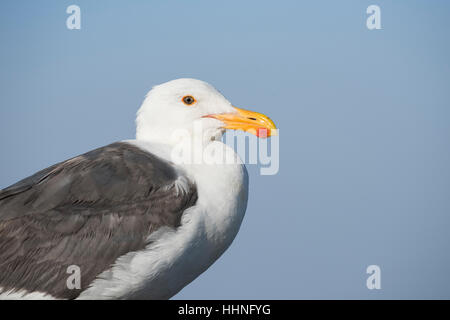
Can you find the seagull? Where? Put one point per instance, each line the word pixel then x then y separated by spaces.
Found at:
pixel 136 219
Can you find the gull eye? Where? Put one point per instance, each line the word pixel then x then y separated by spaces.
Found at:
pixel 188 100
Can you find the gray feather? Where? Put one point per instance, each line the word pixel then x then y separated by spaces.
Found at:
pixel 86 211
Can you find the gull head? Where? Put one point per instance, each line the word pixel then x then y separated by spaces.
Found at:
pixel 189 106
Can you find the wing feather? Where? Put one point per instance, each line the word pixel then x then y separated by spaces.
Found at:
pixel 87 211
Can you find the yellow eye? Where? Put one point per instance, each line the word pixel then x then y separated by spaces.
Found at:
pixel 188 100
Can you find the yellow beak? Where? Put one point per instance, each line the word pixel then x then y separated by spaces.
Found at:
pixel 253 122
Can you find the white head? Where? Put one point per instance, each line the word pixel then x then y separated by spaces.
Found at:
pixel 178 104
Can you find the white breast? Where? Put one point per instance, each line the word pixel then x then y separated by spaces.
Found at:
pixel 178 256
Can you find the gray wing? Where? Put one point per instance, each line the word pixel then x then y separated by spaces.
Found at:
pixel 86 211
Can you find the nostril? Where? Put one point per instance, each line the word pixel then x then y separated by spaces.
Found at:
pixel 252 118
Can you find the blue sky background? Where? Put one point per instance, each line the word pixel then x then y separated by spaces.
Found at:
pixel 364 120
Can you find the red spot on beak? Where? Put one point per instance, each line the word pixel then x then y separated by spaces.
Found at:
pixel 262 133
